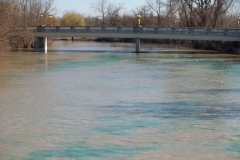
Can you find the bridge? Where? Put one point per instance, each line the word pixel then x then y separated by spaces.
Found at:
pixel 138 32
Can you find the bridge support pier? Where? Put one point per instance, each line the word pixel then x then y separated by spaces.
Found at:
pixel 40 44
pixel 137 45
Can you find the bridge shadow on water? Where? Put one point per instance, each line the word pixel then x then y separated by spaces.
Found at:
pixel 92 51
pixel 167 51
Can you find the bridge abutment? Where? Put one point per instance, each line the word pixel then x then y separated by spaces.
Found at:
pixel 236 44
pixel 40 44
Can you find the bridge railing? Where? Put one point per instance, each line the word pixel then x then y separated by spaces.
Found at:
pixel 119 29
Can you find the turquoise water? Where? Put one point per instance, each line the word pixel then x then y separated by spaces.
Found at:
pixel 87 100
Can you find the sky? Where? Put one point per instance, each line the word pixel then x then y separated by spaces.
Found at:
pixel 84 6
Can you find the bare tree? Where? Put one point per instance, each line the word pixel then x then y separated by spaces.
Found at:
pixel 204 13
pixel 113 14
pixel 15 14
pixel 8 10
pixel 156 6
pixel 89 20
pixel 101 6
pixel 31 10
pixel 172 8
pixel 219 10
pixel 128 20
pixel 233 14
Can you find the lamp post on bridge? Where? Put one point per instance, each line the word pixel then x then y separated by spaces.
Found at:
pixel 50 17
pixel 138 19
pixel 138 27
pixel 41 17
pixel 238 22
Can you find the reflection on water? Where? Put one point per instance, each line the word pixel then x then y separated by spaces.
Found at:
pixel 86 100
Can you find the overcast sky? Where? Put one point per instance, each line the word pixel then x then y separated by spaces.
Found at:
pixel 84 6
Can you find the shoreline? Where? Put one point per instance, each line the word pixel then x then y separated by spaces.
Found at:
pixel 228 48
pixel 177 46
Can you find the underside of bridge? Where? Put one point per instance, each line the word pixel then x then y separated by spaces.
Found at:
pixel 40 44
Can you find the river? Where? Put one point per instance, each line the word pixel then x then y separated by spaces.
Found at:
pixel 88 100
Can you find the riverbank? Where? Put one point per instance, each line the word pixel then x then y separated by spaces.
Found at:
pixel 203 46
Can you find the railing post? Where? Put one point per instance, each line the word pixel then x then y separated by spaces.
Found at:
pixel 57 28
pixel 88 28
pixel 208 30
pixel 72 28
pixel 40 28
pixel 173 29
pixel 226 31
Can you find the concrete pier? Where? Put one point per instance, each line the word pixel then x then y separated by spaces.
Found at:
pixel 137 45
pixel 40 44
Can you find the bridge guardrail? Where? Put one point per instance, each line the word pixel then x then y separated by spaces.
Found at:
pixel 119 29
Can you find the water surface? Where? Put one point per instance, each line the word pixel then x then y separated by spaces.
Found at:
pixel 87 100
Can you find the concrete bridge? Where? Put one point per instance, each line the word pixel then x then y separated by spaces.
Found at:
pixel 211 34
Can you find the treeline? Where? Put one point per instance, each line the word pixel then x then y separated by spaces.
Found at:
pixel 15 13
pixel 167 13
pixel 163 13
pixel 172 13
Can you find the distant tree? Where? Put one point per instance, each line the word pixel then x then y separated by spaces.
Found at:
pixel 113 14
pixel 31 10
pixel 101 7
pixel 128 20
pixel 204 13
pixel 8 12
pixel 16 13
pixel 171 18
pixel 219 9
pixel 231 19
pixel 90 21
pixel 156 6
pixel 72 19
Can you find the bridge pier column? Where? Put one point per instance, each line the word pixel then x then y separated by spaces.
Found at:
pixel 40 44
pixel 236 47
pixel 137 45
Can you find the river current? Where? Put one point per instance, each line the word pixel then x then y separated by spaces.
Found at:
pixel 88 100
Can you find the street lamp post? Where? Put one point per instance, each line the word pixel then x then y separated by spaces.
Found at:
pixel 139 19
pixel 50 20
pixel 238 22
pixel 41 16
pixel 138 28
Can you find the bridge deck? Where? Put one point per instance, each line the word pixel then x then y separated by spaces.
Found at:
pixel 138 32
